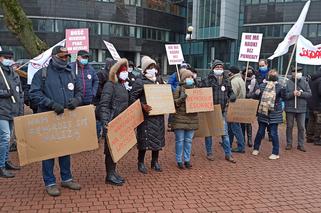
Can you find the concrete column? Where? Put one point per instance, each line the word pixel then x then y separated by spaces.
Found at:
pixel 164 64
pixel 100 56
pixel 137 58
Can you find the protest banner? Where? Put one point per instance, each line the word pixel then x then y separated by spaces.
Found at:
pixel 174 55
pixel 77 39
pixel 160 98
pixel 199 100
pixel 242 111
pixel 40 61
pixel 307 53
pixel 210 123
pixel 112 50
pixel 250 47
pixel 121 131
pixel 46 135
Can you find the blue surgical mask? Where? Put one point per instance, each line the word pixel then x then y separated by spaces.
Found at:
pixel 263 70
pixel 189 82
pixel 84 61
pixel 7 62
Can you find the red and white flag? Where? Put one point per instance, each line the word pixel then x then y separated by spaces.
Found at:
pixel 293 35
pixel 41 61
pixel 307 53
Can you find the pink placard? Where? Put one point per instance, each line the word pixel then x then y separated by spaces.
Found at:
pixel 77 39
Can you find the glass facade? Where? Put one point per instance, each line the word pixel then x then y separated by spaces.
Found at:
pixel 209 19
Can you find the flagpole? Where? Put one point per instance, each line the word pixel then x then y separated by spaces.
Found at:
pixel 290 61
pixel 295 84
pixel 179 77
pixel 246 71
pixel 7 85
pixel 23 65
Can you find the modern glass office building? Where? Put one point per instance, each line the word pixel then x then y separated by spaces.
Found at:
pixel 135 27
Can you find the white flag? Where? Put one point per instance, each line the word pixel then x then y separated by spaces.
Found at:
pixel 41 61
pixel 293 35
pixel 307 53
pixel 0 48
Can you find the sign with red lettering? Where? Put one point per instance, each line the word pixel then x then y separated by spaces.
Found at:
pixel 77 39
pixel 174 54
pixel 250 47
pixel 307 53
pixel 199 100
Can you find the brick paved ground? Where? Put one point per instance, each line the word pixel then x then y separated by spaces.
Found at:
pixel 254 184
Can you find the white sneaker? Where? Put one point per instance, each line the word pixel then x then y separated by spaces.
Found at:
pixel 274 157
pixel 255 152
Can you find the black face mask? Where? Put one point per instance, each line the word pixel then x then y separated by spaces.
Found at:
pixel 58 62
pixel 273 78
pixel 249 75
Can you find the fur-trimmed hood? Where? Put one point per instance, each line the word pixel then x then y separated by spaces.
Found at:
pixel 115 68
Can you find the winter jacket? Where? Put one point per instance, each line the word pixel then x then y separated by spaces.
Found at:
pixel 303 86
pixel 151 133
pixel 60 86
pixel 274 117
pixel 89 81
pixel 222 92
pixel 260 77
pixel 314 102
pixel 183 120
pixel 114 99
pixel 253 85
pixel 8 109
pixel 173 81
pixel 238 86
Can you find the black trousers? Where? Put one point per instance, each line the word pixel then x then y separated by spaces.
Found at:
pixel 109 163
pixel 141 156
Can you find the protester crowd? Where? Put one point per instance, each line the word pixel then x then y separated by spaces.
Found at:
pixel 64 85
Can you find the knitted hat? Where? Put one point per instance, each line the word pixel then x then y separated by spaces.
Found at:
pixel 216 62
pixel 184 73
pixel 6 53
pixel 234 69
pixel 299 69
pixel 146 61
pixel 250 68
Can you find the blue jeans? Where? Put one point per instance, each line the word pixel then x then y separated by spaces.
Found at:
pixel 5 134
pixel 274 134
pixel 225 142
pixel 99 127
pixel 48 168
pixel 234 129
pixel 183 141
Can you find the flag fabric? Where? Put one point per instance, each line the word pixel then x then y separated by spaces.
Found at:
pixel 307 53
pixel 293 35
pixel 41 61
pixel 0 48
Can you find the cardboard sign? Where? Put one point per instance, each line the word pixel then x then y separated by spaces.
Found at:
pixel 121 131
pixel 160 98
pixel 112 50
pixel 174 54
pixel 210 123
pixel 250 47
pixel 199 100
pixel 77 39
pixel 307 53
pixel 242 111
pixel 47 135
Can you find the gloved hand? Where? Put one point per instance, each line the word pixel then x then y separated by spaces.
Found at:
pixel 73 103
pixel 183 96
pixel 58 108
pixel 233 98
pixel 146 108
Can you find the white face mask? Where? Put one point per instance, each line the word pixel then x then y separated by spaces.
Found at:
pixel 123 75
pixel 130 69
pixel 299 75
pixel 151 74
pixel 218 71
pixel 194 75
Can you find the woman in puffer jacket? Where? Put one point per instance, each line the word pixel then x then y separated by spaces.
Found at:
pixel 114 100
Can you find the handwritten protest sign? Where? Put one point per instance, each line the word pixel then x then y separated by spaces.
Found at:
pixel 45 135
pixel 121 134
pixel 174 54
pixel 210 123
pixel 242 111
pixel 112 50
pixel 199 100
pixel 250 47
pixel 160 98
pixel 77 39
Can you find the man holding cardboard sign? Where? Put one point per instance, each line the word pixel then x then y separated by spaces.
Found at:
pixel 56 88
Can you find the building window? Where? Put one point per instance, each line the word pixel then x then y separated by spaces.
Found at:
pixel 313 30
pixel 105 29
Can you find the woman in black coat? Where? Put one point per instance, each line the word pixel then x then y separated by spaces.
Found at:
pixel 151 133
pixel 114 100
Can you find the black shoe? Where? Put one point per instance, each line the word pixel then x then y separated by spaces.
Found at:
pixel 249 143
pixel 11 166
pixel 230 159
pixel 13 147
pixel 188 165
pixel 180 165
pixel 113 180
pixel 120 177
pixel 301 148
pixel 5 173
pixel 317 143
pixel 156 166
pixel 270 138
pixel 237 150
pixel 288 147
pixel 142 168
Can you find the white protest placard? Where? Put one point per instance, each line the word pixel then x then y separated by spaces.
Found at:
pixel 112 50
pixel 250 47
pixel 77 39
pixel 174 54
pixel 307 53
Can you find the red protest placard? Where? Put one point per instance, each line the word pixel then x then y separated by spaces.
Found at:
pixel 77 39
